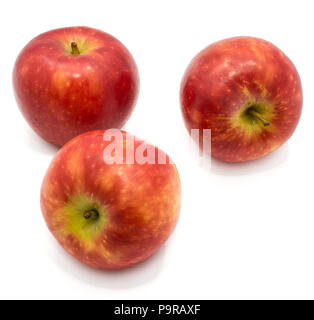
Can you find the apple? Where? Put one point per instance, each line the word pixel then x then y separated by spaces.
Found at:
pixel 73 80
pixel 107 214
pixel 247 92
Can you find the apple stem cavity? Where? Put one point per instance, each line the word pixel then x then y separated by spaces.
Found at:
pixel 91 214
pixel 259 117
pixel 75 49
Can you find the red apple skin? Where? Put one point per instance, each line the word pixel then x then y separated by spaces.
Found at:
pixel 62 95
pixel 224 79
pixel 141 202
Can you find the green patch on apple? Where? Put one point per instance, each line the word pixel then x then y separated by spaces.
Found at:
pixel 86 217
pixel 257 113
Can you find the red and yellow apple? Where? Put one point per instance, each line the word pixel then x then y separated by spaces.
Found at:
pixel 247 92
pixel 110 216
pixel 73 80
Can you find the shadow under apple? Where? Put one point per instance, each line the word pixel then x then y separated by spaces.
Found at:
pixel 135 276
pixel 36 143
pixel 268 162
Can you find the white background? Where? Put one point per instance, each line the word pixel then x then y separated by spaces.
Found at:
pixel 245 231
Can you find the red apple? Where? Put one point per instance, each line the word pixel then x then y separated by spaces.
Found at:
pixel 247 92
pixel 110 216
pixel 73 80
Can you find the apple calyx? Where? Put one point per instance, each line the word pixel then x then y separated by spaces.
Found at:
pixel 75 49
pixel 85 217
pixel 258 116
pixel 91 214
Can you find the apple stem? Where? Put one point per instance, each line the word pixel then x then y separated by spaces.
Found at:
pixel 75 50
pixel 91 214
pixel 259 117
